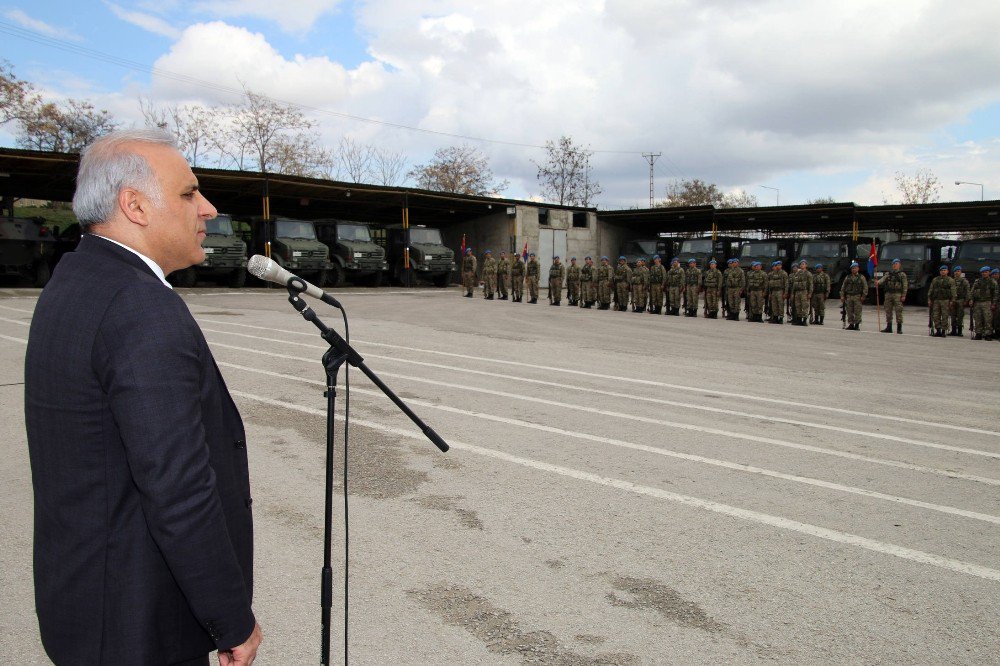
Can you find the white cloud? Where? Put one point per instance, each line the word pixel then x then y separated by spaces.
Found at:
pixel 296 17
pixel 147 22
pixel 22 19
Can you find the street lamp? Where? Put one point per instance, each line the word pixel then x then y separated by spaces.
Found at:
pixel 982 192
pixel 777 194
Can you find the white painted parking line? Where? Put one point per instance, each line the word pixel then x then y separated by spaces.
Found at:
pixel 7 337
pixel 634 380
pixel 16 321
pixel 956 566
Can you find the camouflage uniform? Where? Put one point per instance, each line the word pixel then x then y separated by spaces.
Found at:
pixel 573 282
pixel 556 274
pixel 853 291
pixel 712 282
pixel 469 273
pixel 640 282
pixel 503 276
pixel 605 283
pixel 777 293
pixel 588 283
pixel 895 285
pixel 940 296
pixel 996 304
pixel 801 286
pixel 623 280
pixel 692 286
pixel 821 291
pixel 657 276
pixel 516 278
pixel 756 282
pixel 675 281
pixel 489 276
pixel 735 281
pixel 962 289
pixel 983 295
pixel 531 275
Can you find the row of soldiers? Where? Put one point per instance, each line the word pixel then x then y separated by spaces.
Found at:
pixel 775 294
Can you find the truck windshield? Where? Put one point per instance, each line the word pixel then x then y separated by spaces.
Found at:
pixel 980 251
pixel 295 229
pixel 904 251
pixel 814 249
pixel 702 245
pixel 425 236
pixel 353 232
pixel 220 226
pixel 759 250
pixel 645 247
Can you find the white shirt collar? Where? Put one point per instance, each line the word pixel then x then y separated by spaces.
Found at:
pixel 153 266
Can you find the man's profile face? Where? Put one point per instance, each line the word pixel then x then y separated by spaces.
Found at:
pixel 176 226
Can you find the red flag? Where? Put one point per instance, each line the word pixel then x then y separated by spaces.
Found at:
pixel 872 260
pixel 461 252
pixel 524 253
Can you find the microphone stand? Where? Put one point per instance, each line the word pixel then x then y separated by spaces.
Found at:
pixel 340 352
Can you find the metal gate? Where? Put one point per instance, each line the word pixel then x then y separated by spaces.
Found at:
pixel 551 243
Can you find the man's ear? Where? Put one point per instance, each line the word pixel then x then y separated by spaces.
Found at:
pixel 133 206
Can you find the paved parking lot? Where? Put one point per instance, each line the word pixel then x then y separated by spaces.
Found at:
pixel 622 488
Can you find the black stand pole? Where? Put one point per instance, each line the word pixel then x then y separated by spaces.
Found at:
pixel 339 353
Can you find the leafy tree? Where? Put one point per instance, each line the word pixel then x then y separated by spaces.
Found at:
pixel 922 187
pixel 741 199
pixel 459 169
pixel 692 193
pixel 66 127
pixel 565 173
pixel 16 96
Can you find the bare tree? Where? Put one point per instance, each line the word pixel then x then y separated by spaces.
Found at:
pixel 821 200
pixel 261 124
pixel 17 97
pixel 459 169
pixel 388 167
pixel 922 187
pixel 191 125
pixel 692 193
pixel 302 155
pixel 355 159
pixel 741 199
pixel 565 174
pixel 66 127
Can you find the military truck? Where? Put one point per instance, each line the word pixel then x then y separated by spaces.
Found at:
pixel 225 257
pixel 722 248
pixel 836 254
pixel 920 258
pixel 27 248
pixel 769 250
pixel 353 254
pixel 430 259
pixel 633 250
pixel 293 245
pixel 974 254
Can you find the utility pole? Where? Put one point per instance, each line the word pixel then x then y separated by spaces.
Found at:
pixel 651 158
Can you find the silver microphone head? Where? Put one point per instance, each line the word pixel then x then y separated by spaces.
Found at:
pixel 258 266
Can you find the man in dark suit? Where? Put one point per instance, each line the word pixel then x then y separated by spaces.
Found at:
pixel 143 548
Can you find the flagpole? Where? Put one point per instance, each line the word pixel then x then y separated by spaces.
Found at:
pixel 878 311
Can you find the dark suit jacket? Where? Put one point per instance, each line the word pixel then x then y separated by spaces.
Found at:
pixel 143 531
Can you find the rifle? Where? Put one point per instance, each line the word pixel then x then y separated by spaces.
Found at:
pixel 767 305
pixel 725 300
pixel 972 320
pixel 930 318
pixel 843 313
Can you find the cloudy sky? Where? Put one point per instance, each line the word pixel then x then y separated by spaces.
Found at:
pixel 814 98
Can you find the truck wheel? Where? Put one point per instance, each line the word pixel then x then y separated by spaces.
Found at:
pixel 42 274
pixel 237 278
pixel 375 280
pixel 334 276
pixel 184 278
pixel 442 280
pixel 321 278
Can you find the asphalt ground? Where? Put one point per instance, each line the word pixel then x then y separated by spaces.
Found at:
pixel 622 488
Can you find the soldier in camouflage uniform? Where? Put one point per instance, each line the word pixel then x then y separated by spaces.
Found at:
pixel 692 287
pixel 962 288
pixel 531 274
pixel 801 287
pixel 605 284
pixel 776 292
pixel 573 282
pixel 469 272
pixel 489 275
pixel 822 284
pixel 995 276
pixel 657 276
pixel 623 283
pixel 588 283
pixel 503 276
pixel 940 295
pixel 712 283
pixel 640 282
pixel 557 272
pixel 983 295
pixel 735 282
pixel 894 283
pixel 853 291
pixel 674 286
pixel 516 278
pixel 756 281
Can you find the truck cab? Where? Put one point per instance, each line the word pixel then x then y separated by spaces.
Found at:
pixel 722 248
pixel 769 250
pixel 836 254
pixel 225 257
pixel 430 259
pixel 291 243
pixel 354 255
pixel 634 250
pixel 27 247
pixel 920 259
pixel 974 254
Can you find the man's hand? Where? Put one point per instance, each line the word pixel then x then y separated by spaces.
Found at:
pixel 245 653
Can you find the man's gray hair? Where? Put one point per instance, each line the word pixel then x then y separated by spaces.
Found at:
pixel 110 164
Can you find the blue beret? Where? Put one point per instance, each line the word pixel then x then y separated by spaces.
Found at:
pixel 818 266
pixel 776 262
pixel 692 259
pixel 604 258
pixel 488 252
pixel 656 256
pixel 572 258
pixel 754 263
pixel 995 270
pixel 555 257
pixel 803 261
pixel 896 261
pixel 943 268
pixel 675 259
pixel 587 257
pixel 712 261
pixel 621 257
pixel 957 268
pixel 531 254
pixel 984 269
pixel 731 261
pixel 468 250
pixel 854 263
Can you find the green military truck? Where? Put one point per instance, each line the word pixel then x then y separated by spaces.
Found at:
pixel 920 259
pixel 974 254
pixel 767 251
pixel 634 250
pixel 836 254
pixel 354 255
pixel 225 257
pixel 722 248
pixel 27 249
pixel 430 259
pixel 293 245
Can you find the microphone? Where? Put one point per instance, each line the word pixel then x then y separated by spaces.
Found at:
pixel 266 269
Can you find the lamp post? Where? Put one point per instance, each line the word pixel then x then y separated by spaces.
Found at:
pixel 982 191
pixel 777 194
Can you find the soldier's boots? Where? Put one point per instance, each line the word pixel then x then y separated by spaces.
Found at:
pixel 899 328
pixel 489 297
pixel 502 298
pixel 468 294
pixel 819 320
pixel 888 327
pixel 675 312
pixel 690 313
pixel 533 301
